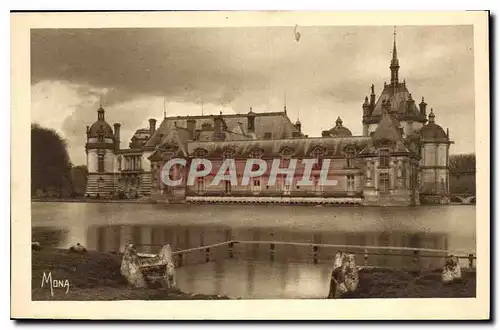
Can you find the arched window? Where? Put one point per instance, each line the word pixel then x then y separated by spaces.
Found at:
pixel 350 155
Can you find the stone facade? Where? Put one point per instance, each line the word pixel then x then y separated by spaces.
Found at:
pixel 402 158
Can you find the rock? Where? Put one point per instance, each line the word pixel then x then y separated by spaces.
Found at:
pixel 78 248
pixel 130 268
pixel 344 276
pixel 35 246
pixel 451 270
pixel 167 259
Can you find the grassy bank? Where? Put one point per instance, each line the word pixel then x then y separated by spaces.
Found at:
pixel 96 276
pixel 92 276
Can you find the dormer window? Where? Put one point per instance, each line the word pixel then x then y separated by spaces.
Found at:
pixel 200 153
pixel 256 154
pixel 228 153
pixel 318 153
pixel 100 138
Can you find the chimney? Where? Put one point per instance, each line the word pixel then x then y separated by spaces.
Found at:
pixel 152 126
pixel 218 122
pixel 117 135
pixel 423 107
pixel 191 127
pixel 251 121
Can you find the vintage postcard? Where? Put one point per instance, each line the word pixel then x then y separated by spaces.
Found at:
pixel 251 165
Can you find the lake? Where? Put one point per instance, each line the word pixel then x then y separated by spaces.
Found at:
pixel 259 270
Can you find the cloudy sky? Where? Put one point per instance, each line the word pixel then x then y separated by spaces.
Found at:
pixel 326 74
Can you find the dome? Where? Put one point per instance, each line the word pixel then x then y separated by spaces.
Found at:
pixel 339 130
pixel 432 130
pixel 100 126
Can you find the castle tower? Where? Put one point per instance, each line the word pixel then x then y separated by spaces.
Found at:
pixel 101 158
pixel 434 163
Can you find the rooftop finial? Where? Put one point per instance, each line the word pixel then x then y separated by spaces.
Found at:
pixel 285 102
pixel 100 101
pixel 164 108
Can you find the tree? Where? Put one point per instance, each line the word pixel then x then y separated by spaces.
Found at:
pixel 79 179
pixel 50 163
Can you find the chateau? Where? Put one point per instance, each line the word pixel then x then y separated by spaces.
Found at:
pixel 402 158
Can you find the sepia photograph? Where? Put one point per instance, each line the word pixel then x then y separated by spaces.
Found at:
pixel 291 161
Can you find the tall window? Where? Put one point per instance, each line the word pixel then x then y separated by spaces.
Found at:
pixel 227 187
pixel 119 163
pixel 350 183
pixel 384 158
pixel 100 163
pixel 350 154
pixel 383 182
pixel 200 185
pixel 255 184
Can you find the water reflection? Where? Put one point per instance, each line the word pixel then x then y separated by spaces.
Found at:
pixel 149 239
pixel 254 271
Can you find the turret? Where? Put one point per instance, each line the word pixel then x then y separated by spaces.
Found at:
pixel 423 106
pixel 372 97
pixel 366 107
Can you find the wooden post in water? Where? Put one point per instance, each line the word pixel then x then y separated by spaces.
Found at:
pixel 416 258
pixel 179 260
pixel 471 260
pixel 315 253
pixel 272 251
pixel 207 255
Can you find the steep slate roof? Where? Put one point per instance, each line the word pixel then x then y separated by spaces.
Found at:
pixel 302 147
pixel 388 133
pixel 276 123
pixel 399 97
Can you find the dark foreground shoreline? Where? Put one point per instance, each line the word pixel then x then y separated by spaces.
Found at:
pixel 96 276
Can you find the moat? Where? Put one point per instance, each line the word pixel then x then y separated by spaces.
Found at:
pixel 106 227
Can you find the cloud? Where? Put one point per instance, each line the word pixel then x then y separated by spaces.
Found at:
pixel 325 75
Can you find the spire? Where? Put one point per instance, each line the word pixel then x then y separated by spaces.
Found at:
pixel 284 108
pixel 100 111
pixel 394 63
